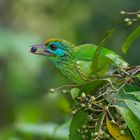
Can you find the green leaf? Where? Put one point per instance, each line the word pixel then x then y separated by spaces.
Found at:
pixel 134 106
pixel 130 39
pixel 131 88
pixel 103 67
pixel 78 121
pixel 138 76
pixel 98 50
pixel 135 93
pixel 132 122
pixel 74 92
pixel 92 87
pixel 107 35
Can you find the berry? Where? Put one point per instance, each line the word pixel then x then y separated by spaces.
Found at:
pixel 138 15
pixel 122 12
pixel 83 95
pixel 126 19
pixel 52 90
pixel 129 23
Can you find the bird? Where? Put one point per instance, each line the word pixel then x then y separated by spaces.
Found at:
pixel 76 62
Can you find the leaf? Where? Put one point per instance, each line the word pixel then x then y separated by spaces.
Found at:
pixel 104 66
pixel 92 87
pixel 138 76
pixel 78 121
pixel 135 93
pixel 74 92
pixel 132 122
pixel 130 39
pixel 131 88
pixel 134 106
pixel 115 132
pixel 106 37
pixel 100 45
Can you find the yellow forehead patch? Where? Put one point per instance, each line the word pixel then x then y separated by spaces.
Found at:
pixel 53 40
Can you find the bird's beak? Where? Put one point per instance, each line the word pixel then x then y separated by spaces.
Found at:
pixel 39 49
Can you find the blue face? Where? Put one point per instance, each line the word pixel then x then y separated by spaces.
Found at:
pixel 56 51
pixel 56 48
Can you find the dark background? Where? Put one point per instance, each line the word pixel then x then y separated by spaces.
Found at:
pixel 26 109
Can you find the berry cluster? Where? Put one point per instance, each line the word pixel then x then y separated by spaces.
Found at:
pixel 98 111
pixel 133 16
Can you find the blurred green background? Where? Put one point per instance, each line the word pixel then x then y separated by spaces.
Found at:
pixel 27 111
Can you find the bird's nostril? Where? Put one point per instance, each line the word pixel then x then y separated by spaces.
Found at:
pixel 33 49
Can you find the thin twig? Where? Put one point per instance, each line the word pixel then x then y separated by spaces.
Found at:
pixel 65 86
pixel 131 13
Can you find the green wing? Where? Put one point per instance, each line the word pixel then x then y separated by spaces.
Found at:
pixel 86 52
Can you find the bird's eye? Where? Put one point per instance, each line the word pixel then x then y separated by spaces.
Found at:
pixel 53 47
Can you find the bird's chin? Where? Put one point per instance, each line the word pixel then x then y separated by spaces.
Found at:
pixel 47 53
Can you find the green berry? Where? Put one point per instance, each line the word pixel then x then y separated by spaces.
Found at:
pixel 64 91
pixel 86 131
pixel 90 118
pixel 122 132
pixel 52 90
pixel 78 67
pixel 101 132
pixel 83 105
pixel 100 104
pixel 73 112
pixel 79 98
pixel 89 106
pixel 84 126
pixel 92 98
pixel 78 130
pixel 124 126
pixel 78 62
pixel 138 15
pixel 126 19
pixel 95 134
pixel 112 121
pixel 83 95
pixel 129 23
pixel 83 137
pixel 122 12
pixel 107 136
pixel 106 108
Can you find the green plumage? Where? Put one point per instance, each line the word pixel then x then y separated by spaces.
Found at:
pixel 76 62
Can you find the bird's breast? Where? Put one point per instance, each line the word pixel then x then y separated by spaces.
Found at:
pixel 76 71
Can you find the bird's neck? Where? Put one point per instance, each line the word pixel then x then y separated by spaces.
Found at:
pixel 66 63
pixel 64 60
pixel 67 58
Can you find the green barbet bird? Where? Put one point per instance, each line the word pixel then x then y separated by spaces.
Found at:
pixel 77 62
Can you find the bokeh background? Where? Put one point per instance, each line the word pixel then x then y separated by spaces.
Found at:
pixel 27 111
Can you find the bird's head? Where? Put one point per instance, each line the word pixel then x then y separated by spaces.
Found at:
pixel 56 50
